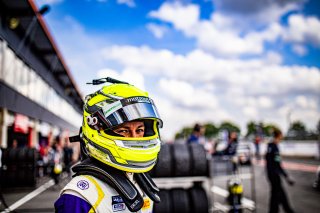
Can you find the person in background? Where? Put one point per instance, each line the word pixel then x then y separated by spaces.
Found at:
pixel 0 162
pixel 231 148
pixel 257 141
pixel 67 156
pixel 275 172
pixel 0 166
pixel 232 145
pixel 196 134
pixel 44 158
pixel 55 161
pixel 14 144
pixel 2 200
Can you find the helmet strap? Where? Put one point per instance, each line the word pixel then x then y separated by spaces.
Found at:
pixel 78 138
pixel 120 182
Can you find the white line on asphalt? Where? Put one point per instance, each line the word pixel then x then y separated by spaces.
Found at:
pixel 241 176
pixel 219 191
pixel 221 207
pixel 224 193
pixel 29 196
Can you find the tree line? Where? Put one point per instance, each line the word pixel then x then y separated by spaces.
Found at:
pixel 297 130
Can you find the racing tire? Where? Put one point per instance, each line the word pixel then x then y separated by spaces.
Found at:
pixel 163 168
pixel 199 202
pixel 12 155
pixel 10 178
pixel 22 155
pixel 165 204
pixel 5 156
pixel 199 162
pixel 31 178
pixel 21 174
pixel 180 201
pixel 31 155
pixel 181 160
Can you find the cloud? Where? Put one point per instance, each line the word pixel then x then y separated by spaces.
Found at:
pixel 187 95
pixel 82 55
pixel 273 58
pixel 299 49
pixel 129 3
pixel 131 76
pixel 198 84
pixel 265 102
pixel 302 108
pixel 211 35
pixel 157 30
pixel 252 13
pixel 303 30
pixel 175 116
pixel 209 83
pixel 224 35
pixel 250 112
pixel 183 17
pixel 200 67
pixel 304 102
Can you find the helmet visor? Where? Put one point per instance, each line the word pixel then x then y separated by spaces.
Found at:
pixel 128 109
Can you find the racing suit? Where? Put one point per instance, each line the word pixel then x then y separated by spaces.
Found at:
pixel 274 171
pixel 86 193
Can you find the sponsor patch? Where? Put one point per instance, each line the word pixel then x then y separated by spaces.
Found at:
pixel 83 184
pixel 117 199
pixel 118 207
pixel 146 203
pixel 134 204
pixel 117 203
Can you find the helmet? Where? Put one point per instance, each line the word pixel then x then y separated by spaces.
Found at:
pixel 57 169
pixel 110 107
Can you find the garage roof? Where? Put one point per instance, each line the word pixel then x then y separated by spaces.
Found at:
pixel 43 44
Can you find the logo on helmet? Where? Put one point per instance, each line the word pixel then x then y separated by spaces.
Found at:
pixel 138 99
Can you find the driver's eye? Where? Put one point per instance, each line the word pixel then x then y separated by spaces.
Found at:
pixel 140 130
pixel 123 131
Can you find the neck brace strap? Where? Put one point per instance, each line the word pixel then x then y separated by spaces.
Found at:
pixel 120 182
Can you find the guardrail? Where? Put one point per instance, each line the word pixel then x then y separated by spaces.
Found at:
pixel 296 148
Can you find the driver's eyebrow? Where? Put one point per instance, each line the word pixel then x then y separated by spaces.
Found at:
pixel 124 127
pixel 128 127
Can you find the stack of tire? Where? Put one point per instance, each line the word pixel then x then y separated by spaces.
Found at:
pixel 177 200
pixel 19 167
pixel 182 160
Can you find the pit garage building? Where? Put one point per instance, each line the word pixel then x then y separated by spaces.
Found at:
pixel 39 98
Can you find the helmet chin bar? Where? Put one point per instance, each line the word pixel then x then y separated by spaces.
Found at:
pixel 125 162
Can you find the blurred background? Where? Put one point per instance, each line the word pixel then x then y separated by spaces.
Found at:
pixel 245 66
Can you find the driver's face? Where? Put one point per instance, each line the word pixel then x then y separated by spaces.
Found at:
pixel 133 129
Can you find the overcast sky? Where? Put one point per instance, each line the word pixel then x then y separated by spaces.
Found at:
pixel 201 61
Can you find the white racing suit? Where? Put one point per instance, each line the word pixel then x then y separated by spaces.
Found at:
pixel 86 193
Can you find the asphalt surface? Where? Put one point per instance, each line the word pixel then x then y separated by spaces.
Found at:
pixel 302 196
